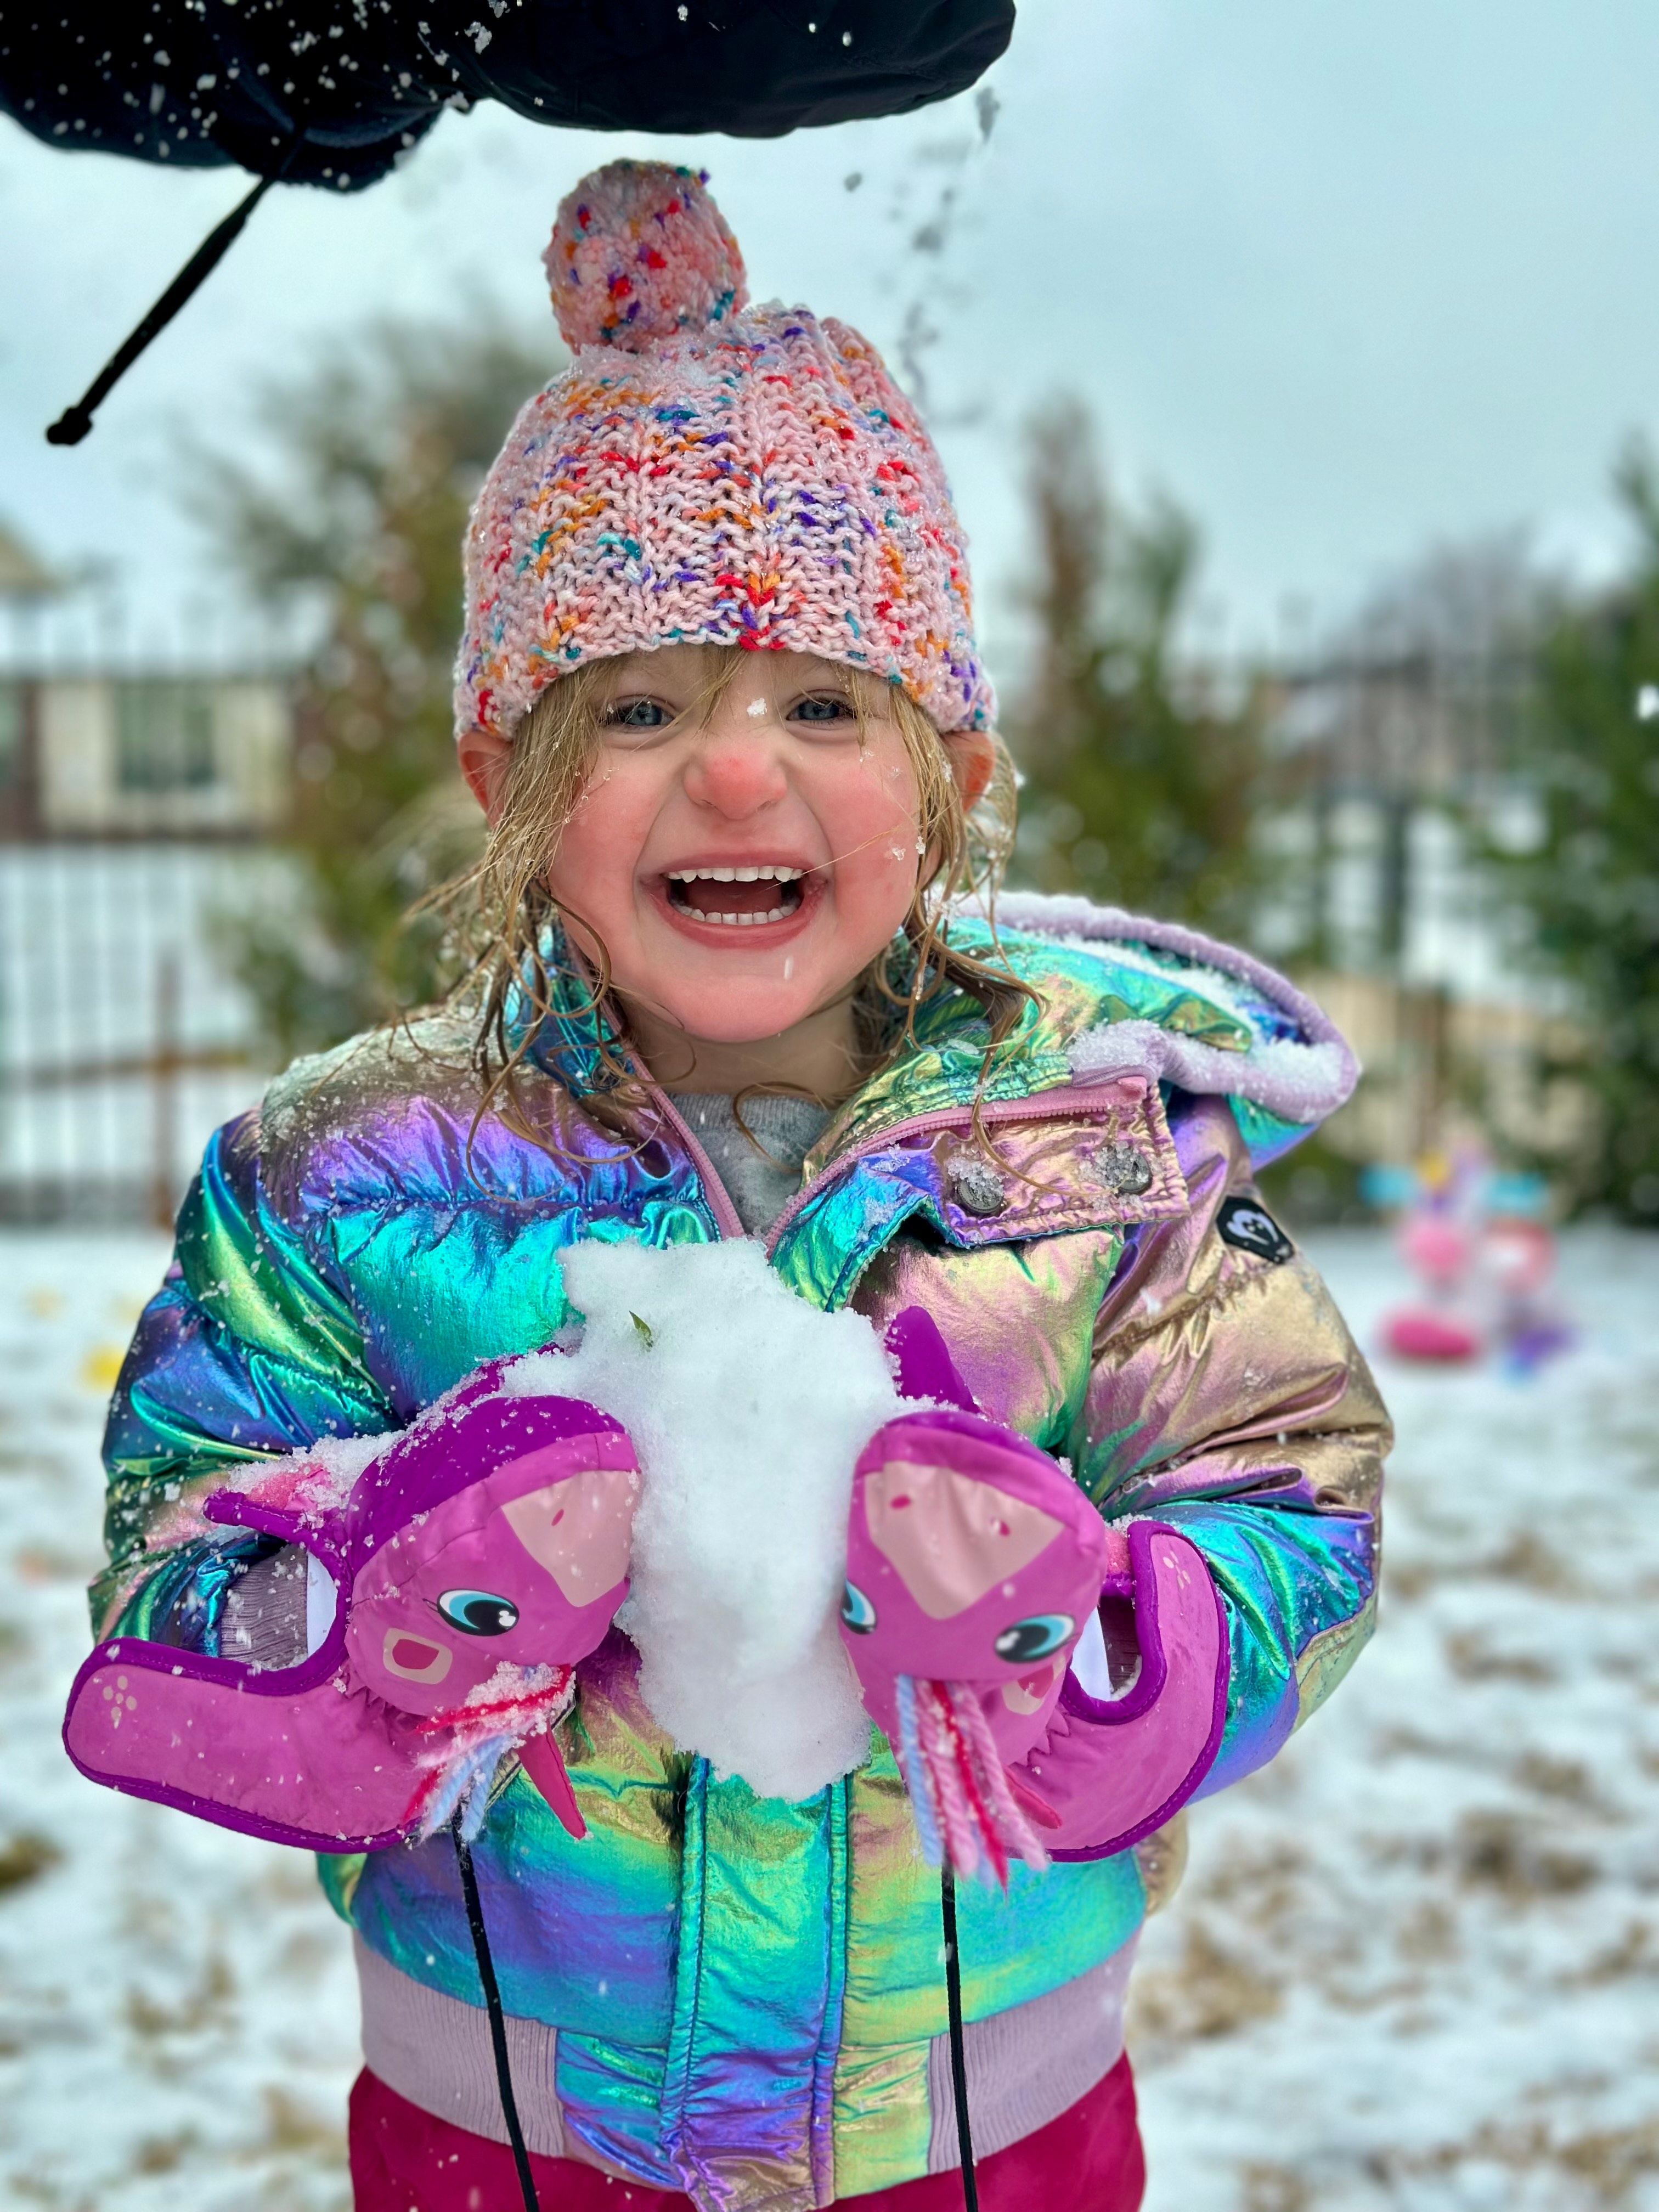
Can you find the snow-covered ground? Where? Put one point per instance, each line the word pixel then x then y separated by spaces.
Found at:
pixel 1414 1964
pixel 178 2010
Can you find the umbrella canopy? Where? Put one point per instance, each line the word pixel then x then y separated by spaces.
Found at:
pixel 331 92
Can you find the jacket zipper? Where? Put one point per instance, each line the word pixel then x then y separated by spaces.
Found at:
pixel 727 1219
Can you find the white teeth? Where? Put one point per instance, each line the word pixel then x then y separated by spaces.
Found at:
pixel 755 875
pixel 747 920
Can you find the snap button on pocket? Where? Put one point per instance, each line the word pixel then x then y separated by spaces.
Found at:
pixel 1124 1168
pixel 976 1185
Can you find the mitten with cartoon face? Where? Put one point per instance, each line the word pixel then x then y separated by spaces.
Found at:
pixel 474 1561
pixel 974 1565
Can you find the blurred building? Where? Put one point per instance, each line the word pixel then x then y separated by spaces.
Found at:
pixel 136 812
pixel 1402 768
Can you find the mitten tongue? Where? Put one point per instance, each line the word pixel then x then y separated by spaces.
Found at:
pixel 540 1758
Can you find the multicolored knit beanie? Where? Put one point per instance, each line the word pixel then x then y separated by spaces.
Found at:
pixel 707 473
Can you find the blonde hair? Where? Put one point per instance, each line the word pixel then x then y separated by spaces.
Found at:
pixel 505 919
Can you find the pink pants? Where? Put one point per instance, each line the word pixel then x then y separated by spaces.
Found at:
pixel 403 2159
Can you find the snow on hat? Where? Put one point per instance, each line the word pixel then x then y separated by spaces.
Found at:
pixel 705 473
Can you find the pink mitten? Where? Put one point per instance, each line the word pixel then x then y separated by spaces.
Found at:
pixel 973 1566
pixel 475 1560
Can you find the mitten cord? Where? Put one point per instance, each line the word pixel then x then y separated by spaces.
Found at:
pixel 492 1997
pixel 947 1898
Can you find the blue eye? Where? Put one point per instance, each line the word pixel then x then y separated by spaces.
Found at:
pixel 857 1611
pixel 821 710
pixel 478 1612
pixel 638 715
pixel 1036 1639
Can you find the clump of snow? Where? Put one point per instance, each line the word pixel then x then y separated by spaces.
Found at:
pixel 1301 1077
pixel 748 1408
pixel 312 1482
pixel 340 1462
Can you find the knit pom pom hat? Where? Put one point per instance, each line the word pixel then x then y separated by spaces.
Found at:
pixel 709 473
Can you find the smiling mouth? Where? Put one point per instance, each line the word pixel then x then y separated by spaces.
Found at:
pixel 738 897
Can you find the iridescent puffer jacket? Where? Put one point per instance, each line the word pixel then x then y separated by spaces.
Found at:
pixel 714 1992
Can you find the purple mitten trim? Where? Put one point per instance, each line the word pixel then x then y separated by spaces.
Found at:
pixel 235 1509
pixel 461 1438
pixel 1139 1585
pixel 1138 1709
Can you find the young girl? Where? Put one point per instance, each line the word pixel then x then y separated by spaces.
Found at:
pixel 949 1220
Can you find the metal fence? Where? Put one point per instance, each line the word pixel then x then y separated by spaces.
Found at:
pixel 124 1037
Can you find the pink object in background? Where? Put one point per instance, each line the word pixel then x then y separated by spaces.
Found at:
pixel 1482 1251
pixel 1419 1333
pixel 1439 1248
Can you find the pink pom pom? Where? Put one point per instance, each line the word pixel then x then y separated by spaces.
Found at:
pixel 639 252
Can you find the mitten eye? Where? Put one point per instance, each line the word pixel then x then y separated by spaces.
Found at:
pixel 478 1612
pixel 1034 1638
pixel 857 1612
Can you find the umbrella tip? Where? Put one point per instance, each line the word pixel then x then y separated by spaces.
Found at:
pixel 71 426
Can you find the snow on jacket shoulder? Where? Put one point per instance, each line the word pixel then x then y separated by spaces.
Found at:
pixel 1112 1288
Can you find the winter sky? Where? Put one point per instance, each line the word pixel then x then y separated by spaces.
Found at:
pixel 1345 279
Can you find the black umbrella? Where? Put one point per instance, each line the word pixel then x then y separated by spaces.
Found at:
pixel 331 92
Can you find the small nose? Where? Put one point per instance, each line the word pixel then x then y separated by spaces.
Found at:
pixel 735 773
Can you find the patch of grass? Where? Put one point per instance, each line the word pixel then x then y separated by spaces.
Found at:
pixel 293 2127
pixel 152 2020
pixel 1606 2164
pixel 1472 1659
pixel 25 1857
pixel 1274 2189
pixel 163 2154
pixel 1211 1992
pixel 1502 1852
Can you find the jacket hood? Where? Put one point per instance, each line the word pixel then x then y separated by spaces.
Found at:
pixel 1123 993
pixel 1291 1060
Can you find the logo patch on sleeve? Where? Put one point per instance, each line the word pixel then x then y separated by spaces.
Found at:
pixel 1247 1223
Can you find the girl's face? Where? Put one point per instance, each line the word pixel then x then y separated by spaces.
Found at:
pixel 741 869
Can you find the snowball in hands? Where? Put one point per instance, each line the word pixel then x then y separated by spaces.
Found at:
pixel 748 1408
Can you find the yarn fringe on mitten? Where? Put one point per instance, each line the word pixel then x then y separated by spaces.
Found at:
pixel 964 1806
pixel 467 1744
